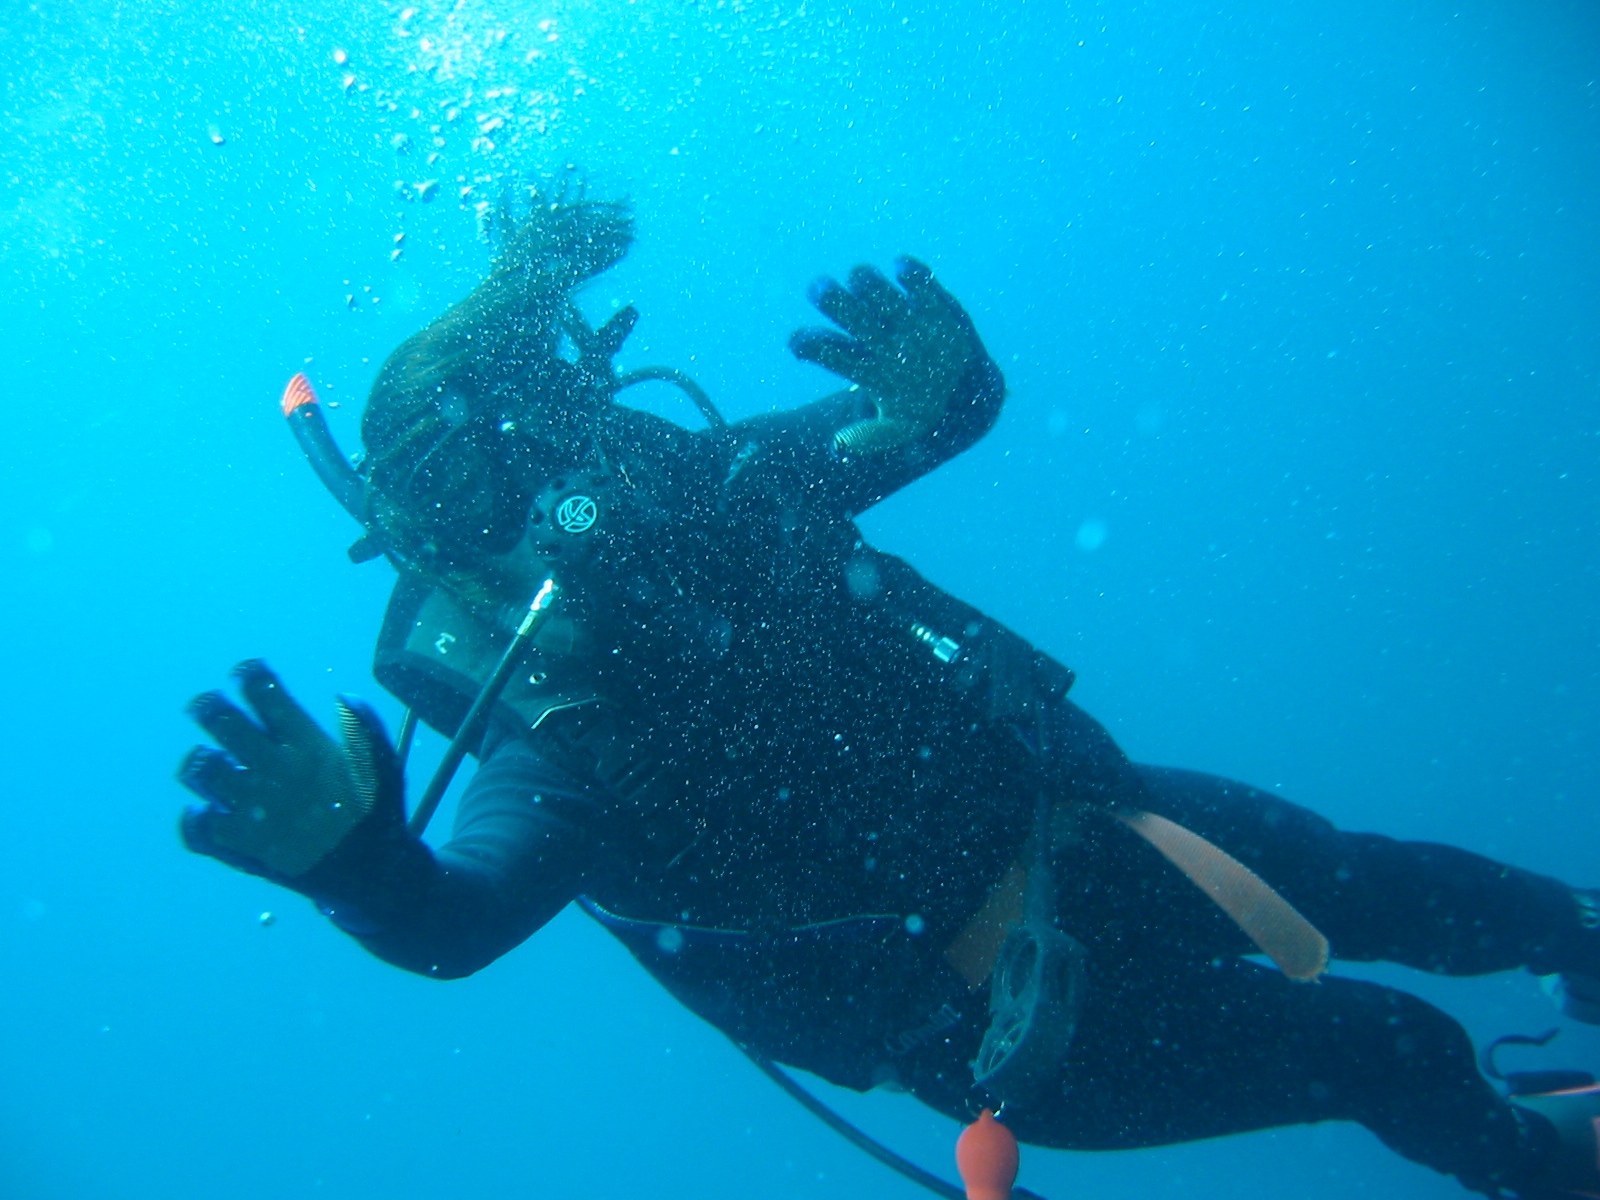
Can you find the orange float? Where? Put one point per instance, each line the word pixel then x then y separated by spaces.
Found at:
pixel 986 1156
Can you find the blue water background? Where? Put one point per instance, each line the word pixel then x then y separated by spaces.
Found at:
pixel 1297 303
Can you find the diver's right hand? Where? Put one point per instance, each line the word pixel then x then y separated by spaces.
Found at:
pixel 280 794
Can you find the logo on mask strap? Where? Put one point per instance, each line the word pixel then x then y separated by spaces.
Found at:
pixel 577 514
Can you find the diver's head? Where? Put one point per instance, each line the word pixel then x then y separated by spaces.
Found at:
pixel 451 472
pixel 469 419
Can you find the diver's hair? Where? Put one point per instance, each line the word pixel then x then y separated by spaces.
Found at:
pixel 457 408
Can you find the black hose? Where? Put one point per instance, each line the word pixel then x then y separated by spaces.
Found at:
pixel 689 387
pixel 408 734
pixel 471 729
pixel 863 1141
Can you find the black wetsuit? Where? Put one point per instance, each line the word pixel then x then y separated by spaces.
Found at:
pixel 835 788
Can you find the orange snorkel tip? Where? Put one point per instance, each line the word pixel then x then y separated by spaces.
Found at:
pixel 297 393
pixel 310 428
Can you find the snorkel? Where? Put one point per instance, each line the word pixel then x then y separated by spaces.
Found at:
pixel 310 429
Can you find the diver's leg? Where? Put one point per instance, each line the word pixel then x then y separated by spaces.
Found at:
pixel 1434 907
pixel 1205 1051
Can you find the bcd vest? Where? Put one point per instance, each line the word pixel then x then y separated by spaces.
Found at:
pixel 779 761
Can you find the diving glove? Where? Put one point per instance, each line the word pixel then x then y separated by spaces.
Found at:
pixel 911 349
pixel 562 241
pixel 281 794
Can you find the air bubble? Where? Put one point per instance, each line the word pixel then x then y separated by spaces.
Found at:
pixel 669 940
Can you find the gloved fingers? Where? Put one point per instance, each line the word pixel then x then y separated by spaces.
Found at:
pixel 926 293
pixel 877 294
pixel 914 275
pixel 232 729
pixel 198 827
pixel 847 310
pixel 209 830
pixel 918 280
pixel 214 777
pixel 834 352
pixel 283 718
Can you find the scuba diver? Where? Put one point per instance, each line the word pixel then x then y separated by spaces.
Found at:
pixel 852 822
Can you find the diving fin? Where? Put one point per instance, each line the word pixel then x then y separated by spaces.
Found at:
pixel 1574 1168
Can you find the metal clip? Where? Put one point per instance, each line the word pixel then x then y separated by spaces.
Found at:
pixel 944 649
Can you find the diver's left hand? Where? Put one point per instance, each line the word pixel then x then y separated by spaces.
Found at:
pixel 911 350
